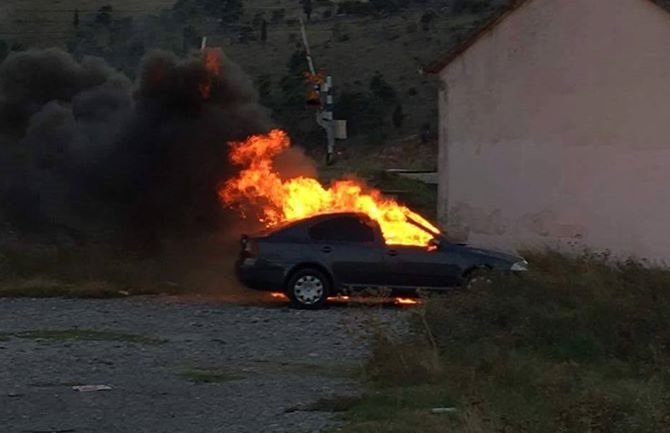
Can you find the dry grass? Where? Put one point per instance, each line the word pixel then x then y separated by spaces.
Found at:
pixel 100 271
pixel 48 23
pixel 579 344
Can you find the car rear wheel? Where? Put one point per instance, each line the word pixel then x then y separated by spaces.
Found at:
pixel 308 288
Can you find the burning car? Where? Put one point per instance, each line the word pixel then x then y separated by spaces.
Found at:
pixel 323 240
pixel 328 254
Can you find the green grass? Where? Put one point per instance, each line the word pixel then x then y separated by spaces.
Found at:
pixel 577 344
pixel 200 376
pixel 80 335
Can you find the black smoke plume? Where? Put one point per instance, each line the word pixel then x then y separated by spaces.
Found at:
pixel 85 153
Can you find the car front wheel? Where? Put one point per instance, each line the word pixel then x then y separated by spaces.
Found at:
pixel 478 278
pixel 308 289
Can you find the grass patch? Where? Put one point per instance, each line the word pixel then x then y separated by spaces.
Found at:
pixel 419 196
pixel 334 404
pixel 81 335
pixel 41 287
pixel 577 344
pixel 105 271
pixel 199 376
pixel 333 370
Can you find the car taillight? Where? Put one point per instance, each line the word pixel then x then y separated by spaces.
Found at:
pixel 249 247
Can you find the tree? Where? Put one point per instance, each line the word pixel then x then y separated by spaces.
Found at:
pixel 104 15
pixel 470 6
pixel 278 15
pixel 4 50
pixel 264 86
pixel 307 8
pixel 264 30
pixel 75 19
pixel 381 89
pixel 398 116
pixel 190 38
pixel 426 19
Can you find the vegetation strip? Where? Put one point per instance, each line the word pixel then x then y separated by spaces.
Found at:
pixel 579 344
pixel 80 335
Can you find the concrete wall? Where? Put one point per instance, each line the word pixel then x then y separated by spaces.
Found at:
pixel 555 130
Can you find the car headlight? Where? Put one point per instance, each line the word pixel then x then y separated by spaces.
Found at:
pixel 519 266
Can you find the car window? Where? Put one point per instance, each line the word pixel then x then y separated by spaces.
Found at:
pixel 342 229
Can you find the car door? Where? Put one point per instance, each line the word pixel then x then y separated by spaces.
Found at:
pixel 421 267
pixel 351 248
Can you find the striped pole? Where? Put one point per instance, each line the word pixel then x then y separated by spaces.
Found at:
pixel 328 117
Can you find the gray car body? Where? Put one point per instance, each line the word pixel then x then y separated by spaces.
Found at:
pixel 280 252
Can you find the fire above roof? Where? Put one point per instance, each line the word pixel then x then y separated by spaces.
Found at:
pixel 489 25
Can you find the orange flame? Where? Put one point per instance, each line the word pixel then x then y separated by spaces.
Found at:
pixel 212 63
pixel 283 200
pixel 406 301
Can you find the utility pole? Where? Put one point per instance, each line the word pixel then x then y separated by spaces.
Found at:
pixel 322 88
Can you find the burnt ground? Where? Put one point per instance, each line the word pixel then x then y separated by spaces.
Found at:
pixel 178 365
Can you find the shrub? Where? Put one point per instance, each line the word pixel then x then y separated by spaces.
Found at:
pixel 577 344
pixel 264 87
pixel 104 15
pixel 398 116
pixel 4 50
pixel 355 8
pixel 278 15
pixel 381 89
pixel 426 19
pixel 471 6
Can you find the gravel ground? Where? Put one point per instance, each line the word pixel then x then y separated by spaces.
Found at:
pixel 264 364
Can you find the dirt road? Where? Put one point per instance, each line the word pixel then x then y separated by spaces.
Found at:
pixel 176 365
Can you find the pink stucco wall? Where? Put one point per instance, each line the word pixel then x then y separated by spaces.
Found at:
pixel 555 130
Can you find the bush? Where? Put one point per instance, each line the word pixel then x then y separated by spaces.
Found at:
pixel 426 19
pixel 104 15
pixel 577 344
pixel 398 116
pixel 381 89
pixel 278 15
pixel 225 10
pixel 372 7
pixel 471 6
pixel 264 87
pixel 4 50
pixel 355 8
pixel 362 111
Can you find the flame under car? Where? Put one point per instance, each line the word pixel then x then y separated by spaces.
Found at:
pixel 330 254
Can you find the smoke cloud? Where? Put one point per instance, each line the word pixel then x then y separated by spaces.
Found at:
pixel 86 153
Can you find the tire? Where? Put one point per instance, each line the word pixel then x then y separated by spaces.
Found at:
pixel 308 289
pixel 478 278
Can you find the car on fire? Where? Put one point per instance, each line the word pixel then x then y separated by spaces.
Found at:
pixel 330 254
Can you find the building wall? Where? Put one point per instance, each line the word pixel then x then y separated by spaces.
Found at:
pixel 555 130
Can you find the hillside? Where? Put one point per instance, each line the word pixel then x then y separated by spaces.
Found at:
pixel 354 42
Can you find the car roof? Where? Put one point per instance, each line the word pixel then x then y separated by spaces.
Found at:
pixel 329 215
pixel 312 220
